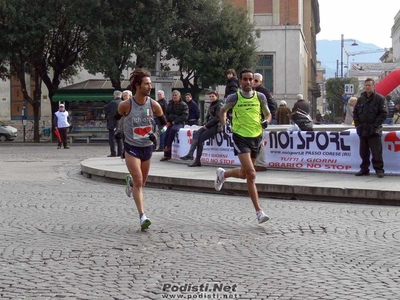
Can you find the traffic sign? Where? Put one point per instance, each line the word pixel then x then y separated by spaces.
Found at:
pixel 349 89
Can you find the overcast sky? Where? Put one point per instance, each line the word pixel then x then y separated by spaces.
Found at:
pixel 368 21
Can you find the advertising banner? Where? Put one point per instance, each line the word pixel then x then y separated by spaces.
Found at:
pixel 306 150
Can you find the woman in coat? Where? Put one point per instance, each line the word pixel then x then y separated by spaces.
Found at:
pixel 210 128
pixel 283 113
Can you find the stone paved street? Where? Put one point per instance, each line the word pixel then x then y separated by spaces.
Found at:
pixel 63 236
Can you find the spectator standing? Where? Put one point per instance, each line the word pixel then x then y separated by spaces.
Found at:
pixel 210 128
pixel 283 114
pixel 177 115
pixel 260 163
pixel 194 112
pixel 110 109
pixel 163 103
pixel 259 87
pixel 61 123
pixel 126 95
pixel 390 108
pixel 119 133
pixel 348 120
pixel 369 114
pixel 327 117
pixel 232 84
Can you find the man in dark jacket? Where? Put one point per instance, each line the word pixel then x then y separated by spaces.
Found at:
pixel 163 103
pixel 369 113
pixel 302 104
pixel 390 108
pixel 194 111
pixel 259 87
pixel 161 100
pixel 177 115
pixel 301 114
pixel 110 109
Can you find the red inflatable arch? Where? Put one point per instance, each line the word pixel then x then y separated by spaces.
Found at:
pixel 389 83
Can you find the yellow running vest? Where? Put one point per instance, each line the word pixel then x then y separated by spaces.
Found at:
pixel 246 116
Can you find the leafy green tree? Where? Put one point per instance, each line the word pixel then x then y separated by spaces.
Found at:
pixel 49 36
pixel 335 94
pixel 127 28
pixel 208 38
pixel 20 48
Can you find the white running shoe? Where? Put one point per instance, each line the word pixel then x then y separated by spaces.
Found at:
pixel 144 222
pixel 129 185
pixel 261 217
pixel 219 181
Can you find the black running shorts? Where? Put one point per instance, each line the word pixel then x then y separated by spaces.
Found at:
pixel 246 145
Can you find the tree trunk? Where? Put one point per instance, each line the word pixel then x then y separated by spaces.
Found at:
pixel 116 83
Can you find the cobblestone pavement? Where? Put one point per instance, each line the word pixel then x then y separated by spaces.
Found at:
pixel 63 236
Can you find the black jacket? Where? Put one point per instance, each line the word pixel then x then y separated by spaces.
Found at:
pixel 272 105
pixel 231 87
pixel 177 112
pixel 369 114
pixel 303 105
pixel 163 103
pixel 110 109
pixel 212 116
pixel 194 111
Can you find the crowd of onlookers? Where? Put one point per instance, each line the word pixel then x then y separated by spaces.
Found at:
pixel 180 112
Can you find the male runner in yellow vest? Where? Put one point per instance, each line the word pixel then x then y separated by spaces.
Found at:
pixel 247 128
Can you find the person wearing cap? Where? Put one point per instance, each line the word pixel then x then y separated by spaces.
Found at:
pixel 283 114
pixel 62 123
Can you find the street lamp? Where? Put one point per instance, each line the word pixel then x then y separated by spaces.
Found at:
pixel 341 52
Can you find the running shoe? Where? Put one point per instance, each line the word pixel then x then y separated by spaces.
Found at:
pixel 219 181
pixel 261 217
pixel 129 185
pixel 144 222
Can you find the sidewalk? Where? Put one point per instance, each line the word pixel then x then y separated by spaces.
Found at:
pixel 283 184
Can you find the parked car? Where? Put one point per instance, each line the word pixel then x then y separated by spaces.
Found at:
pixel 7 133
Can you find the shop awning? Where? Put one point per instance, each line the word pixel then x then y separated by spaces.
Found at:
pixel 90 90
pixel 87 97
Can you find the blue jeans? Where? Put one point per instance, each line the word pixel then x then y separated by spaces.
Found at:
pixel 162 138
pixel 388 121
pixel 170 136
pixel 274 122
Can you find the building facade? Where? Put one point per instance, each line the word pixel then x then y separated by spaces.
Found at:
pixel 286 36
pixel 396 38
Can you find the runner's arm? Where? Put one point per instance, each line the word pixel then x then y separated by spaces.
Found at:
pixel 229 103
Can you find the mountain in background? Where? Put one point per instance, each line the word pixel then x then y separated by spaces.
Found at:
pixel 329 51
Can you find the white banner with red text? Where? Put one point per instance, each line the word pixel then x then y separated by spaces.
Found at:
pixel 311 150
